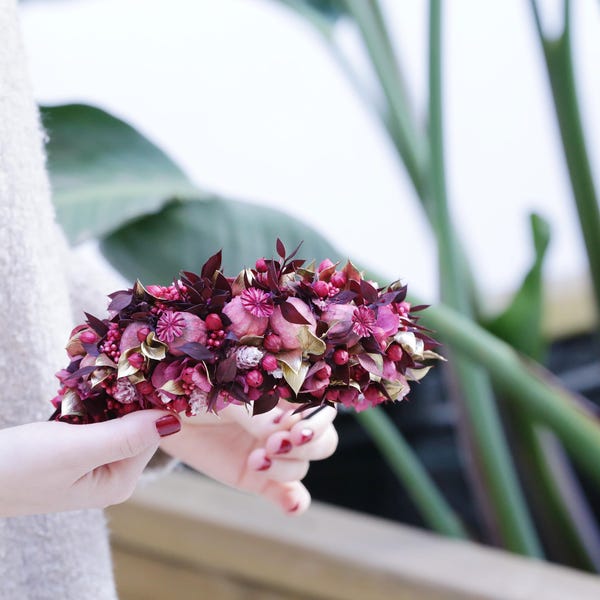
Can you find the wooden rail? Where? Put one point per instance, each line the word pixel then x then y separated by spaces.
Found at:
pixel 186 537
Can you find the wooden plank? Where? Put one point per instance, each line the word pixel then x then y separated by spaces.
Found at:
pixel 150 578
pixel 328 553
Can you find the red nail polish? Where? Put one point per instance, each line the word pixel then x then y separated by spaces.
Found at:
pixel 295 507
pixel 168 425
pixel 306 435
pixel 265 465
pixel 284 447
pixel 278 418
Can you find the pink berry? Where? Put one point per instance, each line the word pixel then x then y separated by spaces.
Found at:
pixel 269 363
pixel 254 378
pixel 213 322
pixel 261 265
pixel 321 288
pixel 340 357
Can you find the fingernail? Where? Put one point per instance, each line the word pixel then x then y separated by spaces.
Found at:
pixel 278 418
pixel 284 447
pixel 295 507
pixel 265 464
pixel 168 425
pixel 306 435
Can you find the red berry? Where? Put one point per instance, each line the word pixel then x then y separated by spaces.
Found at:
pixel 321 288
pixel 340 357
pixel 213 322
pixel 254 378
pixel 261 265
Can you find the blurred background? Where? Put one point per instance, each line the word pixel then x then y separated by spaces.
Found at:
pixel 453 145
pixel 246 97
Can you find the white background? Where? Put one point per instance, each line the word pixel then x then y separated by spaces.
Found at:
pixel 245 97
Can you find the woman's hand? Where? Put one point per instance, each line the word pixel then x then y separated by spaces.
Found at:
pixel 268 454
pixel 52 466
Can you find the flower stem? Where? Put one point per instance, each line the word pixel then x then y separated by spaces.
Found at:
pixel 404 463
pixel 501 484
pixel 559 65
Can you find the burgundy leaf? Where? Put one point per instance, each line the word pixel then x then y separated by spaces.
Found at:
pixel 100 327
pixel 226 370
pixel 197 351
pixel 419 307
pixel 120 301
pixel 294 252
pixel 280 248
pixel 212 264
pixel 91 349
pixel 264 404
pixel 290 313
pixel 369 293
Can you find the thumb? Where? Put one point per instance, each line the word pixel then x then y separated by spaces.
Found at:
pixel 125 437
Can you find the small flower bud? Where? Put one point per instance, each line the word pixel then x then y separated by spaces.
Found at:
pixel 325 264
pixel 136 360
pixel 88 337
pixel 272 343
pixel 321 289
pixel 254 378
pixel 394 352
pixel 254 393
pixel 269 363
pixel 213 322
pixel 261 265
pixel 338 279
pixel 340 357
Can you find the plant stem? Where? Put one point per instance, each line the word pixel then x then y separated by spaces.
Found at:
pixel 546 401
pixel 502 487
pixel 408 139
pixel 559 65
pixel 401 459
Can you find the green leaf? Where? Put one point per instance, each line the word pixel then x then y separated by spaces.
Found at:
pixel 186 232
pixel 521 323
pixel 104 172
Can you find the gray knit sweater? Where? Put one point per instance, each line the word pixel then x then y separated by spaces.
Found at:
pixel 60 556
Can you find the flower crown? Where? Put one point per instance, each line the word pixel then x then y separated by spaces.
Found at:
pixel 281 330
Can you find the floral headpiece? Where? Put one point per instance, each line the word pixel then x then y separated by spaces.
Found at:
pixel 281 330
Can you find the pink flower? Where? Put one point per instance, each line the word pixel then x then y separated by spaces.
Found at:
pixel 243 322
pixel 130 338
pixel 125 391
pixel 169 326
pixel 317 378
pixel 363 321
pixel 257 302
pixel 192 330
pixel 288 332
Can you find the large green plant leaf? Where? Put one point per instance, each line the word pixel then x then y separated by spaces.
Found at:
pixel 104 172
pixel 521 323
pixel 186 232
